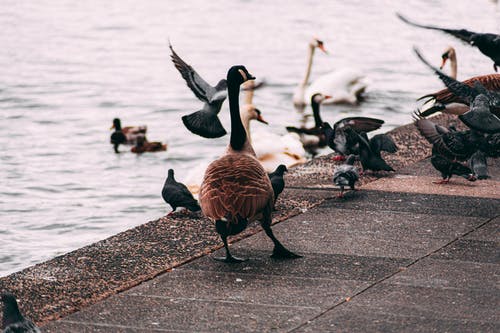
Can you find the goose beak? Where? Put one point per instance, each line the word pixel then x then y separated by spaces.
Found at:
pixel 443 63
pixel 250 77
pixel 112 127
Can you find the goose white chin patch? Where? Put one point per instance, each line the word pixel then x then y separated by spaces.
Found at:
pixel 245 78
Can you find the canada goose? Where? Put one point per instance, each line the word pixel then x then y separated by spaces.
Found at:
pixel 236 188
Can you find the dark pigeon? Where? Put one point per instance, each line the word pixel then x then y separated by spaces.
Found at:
pixel 454 145
pixel 448 168
pixel 204 122
pixel 479 165
pixel 277 180
pixel 487 43
pixel 343 138
pixel 370 151
pixel 177 194
pixel 479 116
pixel 12 320
pixel 346 175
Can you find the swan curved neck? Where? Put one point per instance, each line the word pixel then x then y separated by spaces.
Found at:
pixel 453 65
pixel 309 65
pixel 238 132
pixel 245 119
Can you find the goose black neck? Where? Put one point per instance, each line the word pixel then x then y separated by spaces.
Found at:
pixel 238 133
pixel 317 117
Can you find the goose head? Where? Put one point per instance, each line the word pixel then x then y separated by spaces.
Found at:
pixel 239 74
pixel 448 54
pixel 317 43
pixel 318 98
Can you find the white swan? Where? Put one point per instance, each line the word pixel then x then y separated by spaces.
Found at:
pixel 344 85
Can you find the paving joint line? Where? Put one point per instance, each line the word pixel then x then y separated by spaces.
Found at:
pixel 401 269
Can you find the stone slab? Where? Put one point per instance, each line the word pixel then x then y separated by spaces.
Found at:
pixel 471 250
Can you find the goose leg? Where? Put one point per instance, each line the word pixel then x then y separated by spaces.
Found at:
pixel 279 251
pixel 221 227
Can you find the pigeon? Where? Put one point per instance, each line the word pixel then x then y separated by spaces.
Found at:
pixel 454 145
pixel 479 165
pixel 12 320
pixel 343 138
pixel 346 175
pixel 448 168
pixel 485 110
pixel 177 194
pixel 277 181
pixel 369 151
pixel 204 122
pixel 490 145
pixel 487 43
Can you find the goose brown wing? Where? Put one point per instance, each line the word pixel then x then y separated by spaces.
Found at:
pixel 235 185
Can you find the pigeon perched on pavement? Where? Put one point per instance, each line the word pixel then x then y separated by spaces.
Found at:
pixel 277 181
pixel 12 320
pixel 346 175
pixel 177 194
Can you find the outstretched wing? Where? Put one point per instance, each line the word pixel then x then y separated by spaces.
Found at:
pixel 462 34
pixel 383 142
pixel 359 124
pixel 195 82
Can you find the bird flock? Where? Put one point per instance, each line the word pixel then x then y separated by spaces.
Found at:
pixel 242 186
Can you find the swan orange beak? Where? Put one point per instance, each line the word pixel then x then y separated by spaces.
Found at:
pixel 327 96
pixel 443 62
pixel 322 48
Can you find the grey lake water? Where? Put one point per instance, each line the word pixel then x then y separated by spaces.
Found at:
pixel 67 68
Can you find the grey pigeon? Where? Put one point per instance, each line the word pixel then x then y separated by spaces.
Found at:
pixel 346 175
pixel 479 165
pixel 370 151
pixel 12 320
pixel 487 43
pixel 204 122
pixel 277 180
pixel 448 168
pixel 177 194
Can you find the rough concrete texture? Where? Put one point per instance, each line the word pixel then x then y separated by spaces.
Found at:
pixel 374 261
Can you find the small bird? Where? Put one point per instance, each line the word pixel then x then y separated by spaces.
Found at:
pixel 277 180
pixel 479 165
pixel 370 149
pixel 125 135
pixel 143 145
pixel 448 168
pixel 204 122
pixel 346 175
pixel 12 320
pixel 343 138
pixel 487 43
pixel 177 194
pixel 454 145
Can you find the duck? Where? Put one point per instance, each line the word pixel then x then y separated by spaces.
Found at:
pixel 125 135
pixel 12 319
pixel 143 145
pixel 176 194
pixel 236 188
pixel 487 43
pixel 204 122
pixel 344 85
pixel 447 102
